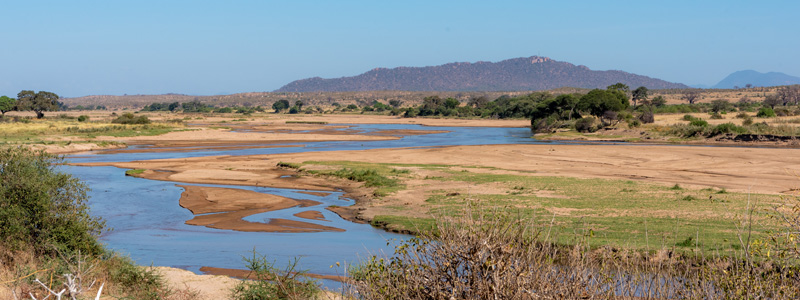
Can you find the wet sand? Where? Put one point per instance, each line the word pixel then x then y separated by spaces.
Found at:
pixel 225 208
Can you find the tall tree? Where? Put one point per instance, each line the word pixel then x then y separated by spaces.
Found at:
pixel 639 94
pixel 299 104
pixel 280 105
pixel 690 96
pixel 38 102
pixel 7 104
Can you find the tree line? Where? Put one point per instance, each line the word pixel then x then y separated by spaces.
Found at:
pixel 27 100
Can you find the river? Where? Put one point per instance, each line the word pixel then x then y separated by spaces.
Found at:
pixel 148 224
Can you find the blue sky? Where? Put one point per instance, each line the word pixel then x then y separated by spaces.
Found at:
pixel 77 48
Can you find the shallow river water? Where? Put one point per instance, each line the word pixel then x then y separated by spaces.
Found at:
pixel 148 224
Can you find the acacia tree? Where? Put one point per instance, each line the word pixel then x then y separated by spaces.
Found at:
pixel 690 96
pixel 639 94
pixel 7 104
pixel 38 102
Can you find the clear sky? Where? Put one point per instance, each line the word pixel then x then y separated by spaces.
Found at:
pixel 78 48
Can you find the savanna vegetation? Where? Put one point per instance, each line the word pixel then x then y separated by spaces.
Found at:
pixel 49 240
pixel 553 237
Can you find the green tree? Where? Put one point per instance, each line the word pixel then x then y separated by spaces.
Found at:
pixel 658 101
pixel 37 102
pixel 619 86
pixel 174 106
pixel 41 208
pixel 280 105
pixel 720 105
pixel 7 104
pixel 299 104
pixel 451 103
pixel 639 95
pixel 395 103
pixel 597 102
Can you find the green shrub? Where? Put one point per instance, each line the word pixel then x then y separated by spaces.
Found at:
pixel 765 112
pixel 129 118
pixel 83 118
pixel 698 123
pixel 688 117
pixel 742 115
pixel 269 282
pixel 587 124
pixel 43 209
pixel 727 128
pixel 370 177
pixel 747 121
pixel 716 116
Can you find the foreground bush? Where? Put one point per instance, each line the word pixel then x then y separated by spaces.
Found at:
pixel 46 232
pixel 496 255
pixel 41 208
pixel 269 282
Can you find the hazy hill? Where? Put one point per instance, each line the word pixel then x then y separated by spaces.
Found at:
pixel 518 74
pixel 742 78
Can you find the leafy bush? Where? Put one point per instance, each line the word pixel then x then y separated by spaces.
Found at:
pixel 742 115
pixel 587 124
pixel 83 118
pixel 129 118
pixel 747 121
pixel 765 112
pixel 698 123
pixel 688 117
pixel 716 116
pixel 269 282
pixel 727 128
pixel 41 208
pixel 370 177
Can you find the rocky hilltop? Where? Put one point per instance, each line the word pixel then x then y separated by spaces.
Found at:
pixel 518 74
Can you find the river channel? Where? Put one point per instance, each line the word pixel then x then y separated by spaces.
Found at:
pixel 148 224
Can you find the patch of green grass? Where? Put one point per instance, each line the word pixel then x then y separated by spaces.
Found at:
pixel 134 172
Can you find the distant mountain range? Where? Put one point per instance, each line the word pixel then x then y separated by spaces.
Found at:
pixel 517 74
pixel 743 78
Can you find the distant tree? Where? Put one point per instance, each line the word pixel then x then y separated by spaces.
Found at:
pixel 690 96
pixel 789 94
pixel 7 104
pixel 451 103
pixel 478 102
pixel 299 104
pixel 748 85
pixel 619 86
pixel 280 105
pixel 771 101
pixel 720 105
pixel 639 94
pixel 174 106
pixel 37 102
pixel 658 101
pixel 395 103
pixel 597 102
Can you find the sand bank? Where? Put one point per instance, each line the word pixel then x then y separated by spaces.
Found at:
pixel 225 208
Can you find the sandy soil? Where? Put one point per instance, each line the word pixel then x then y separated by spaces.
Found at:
pixel 762 170
pixel 217 283
pixel 209 287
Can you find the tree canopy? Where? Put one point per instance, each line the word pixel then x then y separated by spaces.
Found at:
pixel 37 102
pixel 7 104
